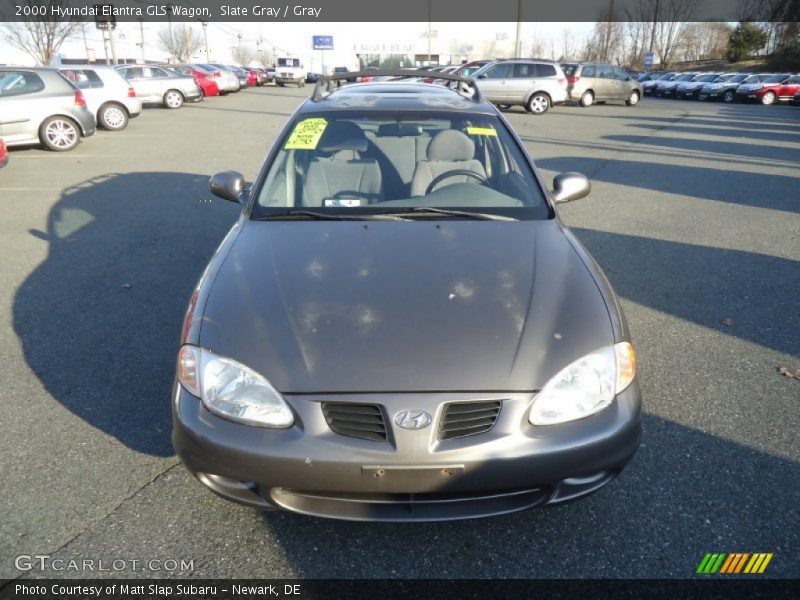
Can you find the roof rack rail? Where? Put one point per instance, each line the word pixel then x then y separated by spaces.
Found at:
pixel 465 85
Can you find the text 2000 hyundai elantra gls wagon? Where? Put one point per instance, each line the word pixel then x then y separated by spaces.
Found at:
pixel 398 327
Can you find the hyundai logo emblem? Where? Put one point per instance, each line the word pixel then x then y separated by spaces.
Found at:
pixel 412 419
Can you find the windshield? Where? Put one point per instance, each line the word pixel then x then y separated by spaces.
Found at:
pixel 752 79
pixel 707 78
pixel 288 62
pixel 381 162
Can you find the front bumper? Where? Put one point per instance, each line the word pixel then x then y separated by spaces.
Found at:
pixel 413 476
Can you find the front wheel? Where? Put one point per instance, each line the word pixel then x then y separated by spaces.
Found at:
pixel 113 117
pixel 768 98
pixel 539 103
pixel 302 83
pixel 728 97
pixel 503 106
pixel 633 99
pixel 173 99
pixel 587 99
pixel 59 134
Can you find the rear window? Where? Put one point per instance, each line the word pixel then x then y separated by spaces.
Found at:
pixel 382 161
pixel 83 78
pixel 17 83
pixel 545 70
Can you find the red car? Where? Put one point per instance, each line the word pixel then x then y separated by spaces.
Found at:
pixel 3 154
pixel 204 81
pixel 772 89
pixel 252 78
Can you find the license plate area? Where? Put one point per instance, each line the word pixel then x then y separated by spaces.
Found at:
pixel 412 475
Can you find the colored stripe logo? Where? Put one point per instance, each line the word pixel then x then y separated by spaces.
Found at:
pixel 734 563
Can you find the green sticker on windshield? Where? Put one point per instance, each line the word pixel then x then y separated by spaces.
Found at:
pixel 306 134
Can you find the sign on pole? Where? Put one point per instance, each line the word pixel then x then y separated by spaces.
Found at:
pixel 648 60
pixel 322 42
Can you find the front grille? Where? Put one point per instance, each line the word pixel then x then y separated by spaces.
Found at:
pixel 363 421
pixel 461 419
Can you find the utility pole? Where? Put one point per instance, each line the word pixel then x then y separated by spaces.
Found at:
pixel 85 44
pixel 205 37
pixel 430 14
pixel 519 28
pixel 113 48
pixel 141 38
pixel 653 33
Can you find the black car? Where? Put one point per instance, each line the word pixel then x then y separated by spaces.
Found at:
pixel 399 327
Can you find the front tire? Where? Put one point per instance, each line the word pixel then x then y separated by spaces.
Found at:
pixel 113 117
pixel 587 99
pixel 633 99
pixel 173 99
pixel 538 103
pixel 59 134
pixel 768 98
pixel 728 97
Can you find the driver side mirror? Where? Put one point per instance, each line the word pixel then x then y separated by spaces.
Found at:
pixel 228 185
pixel 570 186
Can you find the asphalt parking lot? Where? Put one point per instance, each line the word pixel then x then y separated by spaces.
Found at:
pixel 694 216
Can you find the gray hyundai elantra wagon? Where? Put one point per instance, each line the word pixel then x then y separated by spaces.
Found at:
pixel 398 327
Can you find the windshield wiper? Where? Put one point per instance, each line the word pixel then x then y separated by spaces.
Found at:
pixel 467 214
pixel 312 215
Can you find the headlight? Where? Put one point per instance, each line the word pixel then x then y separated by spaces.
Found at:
pixel 232 390
pixel 586 386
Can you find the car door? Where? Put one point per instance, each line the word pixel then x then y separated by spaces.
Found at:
pixel 789 88
pixel 493 82
pixel 619 84
pixel 22 104
pixel 606 84
pixel 523 79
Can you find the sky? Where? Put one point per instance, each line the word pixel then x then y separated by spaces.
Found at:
pixel 295 38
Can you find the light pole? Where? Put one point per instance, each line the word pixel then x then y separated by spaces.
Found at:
pixel 141 38
pixel 430 11
pixel 519 27
pixel 205 37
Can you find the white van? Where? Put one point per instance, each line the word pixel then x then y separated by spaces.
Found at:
pixel 289 69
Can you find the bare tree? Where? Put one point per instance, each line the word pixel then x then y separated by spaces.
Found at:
pixel 180 42
pixel 40 36
pixel 672 18
pixel 243 55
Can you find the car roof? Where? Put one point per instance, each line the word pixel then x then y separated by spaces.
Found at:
pixel 396 95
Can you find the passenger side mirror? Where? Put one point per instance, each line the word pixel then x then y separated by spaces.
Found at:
pixel 482 76
pixel 570 186
pixel 228 185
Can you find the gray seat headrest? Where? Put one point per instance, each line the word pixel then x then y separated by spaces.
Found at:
pixel 451 145
pixel 343 135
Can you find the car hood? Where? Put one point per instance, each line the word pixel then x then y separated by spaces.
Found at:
pixel 349 306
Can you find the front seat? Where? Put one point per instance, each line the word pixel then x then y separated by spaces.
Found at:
pixel 449 150
pixel 342 172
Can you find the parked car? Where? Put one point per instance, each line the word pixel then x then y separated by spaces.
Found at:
pixel 782 86
pixel 648 87
pixel 312 77
pixel 157 85
pixel 690 89
pixel 239 74
pixel 590 82
pixel 532 83
pixel 468 69
pixel 723 88
pixel 108 96
pixel 263 76
pixel 649 76
pixel 344 70
pixel 666 88
pixel 40 105
pixel 796 100
pixel 3 154
pixel 207 84
pixel 227 81
pixel 517 385
pixel 367 78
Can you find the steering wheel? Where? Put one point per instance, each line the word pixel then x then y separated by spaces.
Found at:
pixel 448 174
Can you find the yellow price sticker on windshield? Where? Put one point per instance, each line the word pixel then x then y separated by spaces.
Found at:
pixel 481 131
pixel 306 134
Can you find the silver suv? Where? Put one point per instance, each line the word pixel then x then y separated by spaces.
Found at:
pixel 531 83
pixel 157 85
pixel 108 96
pixel 590 82
pixel 39 105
